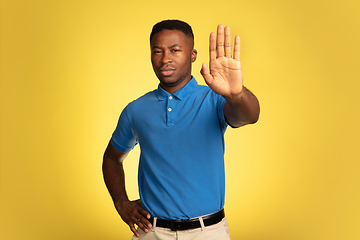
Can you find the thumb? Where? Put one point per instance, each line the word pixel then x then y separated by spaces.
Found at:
pixel 206 74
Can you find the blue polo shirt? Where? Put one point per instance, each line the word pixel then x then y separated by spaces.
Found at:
pixel 181 136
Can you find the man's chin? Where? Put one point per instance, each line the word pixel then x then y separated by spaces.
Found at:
pixel 172 81
pixel 169 83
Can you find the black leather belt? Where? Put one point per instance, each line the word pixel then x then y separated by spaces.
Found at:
pixel 181 224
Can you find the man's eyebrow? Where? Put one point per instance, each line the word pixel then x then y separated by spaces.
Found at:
pixel 172 46
pixel 175 45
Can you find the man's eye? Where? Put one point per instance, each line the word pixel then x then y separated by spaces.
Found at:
pixel 157 51
pixel 175 50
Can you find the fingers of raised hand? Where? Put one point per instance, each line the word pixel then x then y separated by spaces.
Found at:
pixel 205 73
pixel 220 41
pixel 227 42
pixel 237 48
pixel 220 44
pixel 212 47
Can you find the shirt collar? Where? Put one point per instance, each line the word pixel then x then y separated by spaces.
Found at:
pixel 181 93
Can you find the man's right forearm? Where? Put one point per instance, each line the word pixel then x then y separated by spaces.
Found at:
pixel 131 212
pixel 114 178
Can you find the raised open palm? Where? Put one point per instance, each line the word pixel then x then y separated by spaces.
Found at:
pixel 225 75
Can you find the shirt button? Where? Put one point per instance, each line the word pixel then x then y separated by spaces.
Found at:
pixel 170 97
pixel 169 109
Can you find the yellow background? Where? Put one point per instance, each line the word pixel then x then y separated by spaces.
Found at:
pixel 68 68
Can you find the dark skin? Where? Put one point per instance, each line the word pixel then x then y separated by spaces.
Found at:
pixel 224 77
pixel 172 54
pixel 131 212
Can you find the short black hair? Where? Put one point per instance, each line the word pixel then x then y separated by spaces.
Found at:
pixel 172 25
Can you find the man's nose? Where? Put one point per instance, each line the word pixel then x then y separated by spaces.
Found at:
pixel 166 58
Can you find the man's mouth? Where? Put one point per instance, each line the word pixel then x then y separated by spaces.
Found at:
pixel 167 71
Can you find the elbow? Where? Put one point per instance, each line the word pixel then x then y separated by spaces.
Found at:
pixel 255 119
pixel 256 114
pixel 249 121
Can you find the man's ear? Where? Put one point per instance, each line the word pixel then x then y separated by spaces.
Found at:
pixel 193 55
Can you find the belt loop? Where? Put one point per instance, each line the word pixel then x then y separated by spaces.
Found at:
pixel 154 225
pixel 202 223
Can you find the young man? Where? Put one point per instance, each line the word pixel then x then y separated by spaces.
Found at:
pixel 180 127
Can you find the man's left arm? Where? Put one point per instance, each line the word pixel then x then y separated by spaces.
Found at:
pixel 243 109
pixel 225 78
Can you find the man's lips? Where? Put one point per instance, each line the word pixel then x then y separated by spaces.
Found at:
pixel 166 72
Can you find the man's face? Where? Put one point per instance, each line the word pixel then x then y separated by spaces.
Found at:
pixel 171 56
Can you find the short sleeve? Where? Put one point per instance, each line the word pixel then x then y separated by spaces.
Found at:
pixel 220 106
pixel 220 110
pixel 124 138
